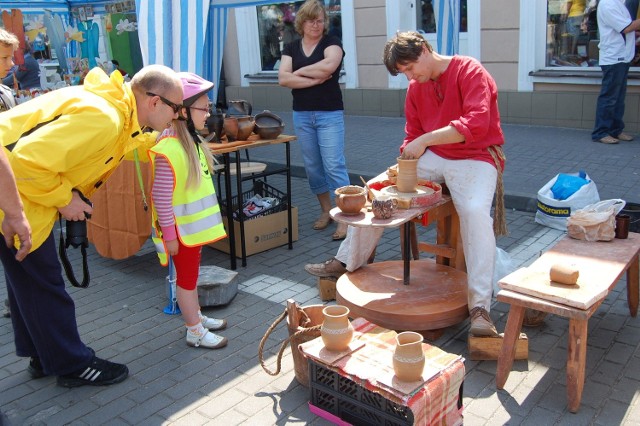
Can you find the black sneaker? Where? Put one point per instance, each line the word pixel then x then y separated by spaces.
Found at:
pixel 99 372
pixel 35 368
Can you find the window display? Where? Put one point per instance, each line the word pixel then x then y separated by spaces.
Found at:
pixel 276 27
pixel 572 34
pixel 426 18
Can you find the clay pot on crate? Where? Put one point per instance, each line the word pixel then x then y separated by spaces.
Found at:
pixel 336 330
pixel 351 198
pixel 238 128
pixel 407 179
pixel 408 358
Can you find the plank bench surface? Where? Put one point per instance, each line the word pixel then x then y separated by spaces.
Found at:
pixel 601 265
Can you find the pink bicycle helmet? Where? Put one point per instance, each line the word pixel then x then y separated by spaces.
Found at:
pixel 193 86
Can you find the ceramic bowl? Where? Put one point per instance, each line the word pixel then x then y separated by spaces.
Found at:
pixel 268 125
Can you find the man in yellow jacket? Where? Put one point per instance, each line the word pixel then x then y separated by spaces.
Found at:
pixel 60 143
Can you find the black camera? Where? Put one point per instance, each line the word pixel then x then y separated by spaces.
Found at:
pixel 77 229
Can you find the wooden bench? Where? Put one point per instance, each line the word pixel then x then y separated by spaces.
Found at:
pixel 601 264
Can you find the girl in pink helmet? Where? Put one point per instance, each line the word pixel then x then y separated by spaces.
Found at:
pixel 185 209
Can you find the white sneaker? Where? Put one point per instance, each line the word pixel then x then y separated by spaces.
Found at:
pixel 206 340
pixel 213 323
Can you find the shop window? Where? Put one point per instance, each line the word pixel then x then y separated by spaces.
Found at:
pixel 427 20
pixel 572 34
pixel 276 27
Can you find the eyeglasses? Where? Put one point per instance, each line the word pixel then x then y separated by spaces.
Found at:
pixel 167 102
pixel 315 22
pixel 207 109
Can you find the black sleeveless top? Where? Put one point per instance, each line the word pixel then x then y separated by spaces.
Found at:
pixel 322 97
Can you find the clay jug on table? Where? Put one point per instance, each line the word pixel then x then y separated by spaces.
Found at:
pixel 336 330
pixel 215 123
pixel 383 206
pixel 408 358
pixel 407 175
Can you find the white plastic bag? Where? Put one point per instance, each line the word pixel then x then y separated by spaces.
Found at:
pixel 504 265
pixel 554 213
pixel 595 222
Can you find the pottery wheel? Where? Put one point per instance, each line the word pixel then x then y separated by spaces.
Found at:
pixel 421 191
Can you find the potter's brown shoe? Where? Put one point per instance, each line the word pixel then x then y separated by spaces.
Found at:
pixel 330 268
pixel 481 324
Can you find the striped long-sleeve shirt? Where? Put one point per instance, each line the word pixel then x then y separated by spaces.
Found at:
pixel 162 193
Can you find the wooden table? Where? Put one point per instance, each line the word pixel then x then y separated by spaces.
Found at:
pixel 225 149
pixel 601 265
pixel 423 295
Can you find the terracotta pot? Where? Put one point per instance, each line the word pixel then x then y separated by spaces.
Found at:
pixel 336 330
pixel 215 124
pixel 238 128
pixel 408 358
pixel 407 175
pixel 239 107
pixel 351 199
pixel 383 206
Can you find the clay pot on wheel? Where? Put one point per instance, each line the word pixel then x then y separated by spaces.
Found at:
pixel 407 175
pixel 238 128
pixel 351 198
pixel 336 330
pixel 408 358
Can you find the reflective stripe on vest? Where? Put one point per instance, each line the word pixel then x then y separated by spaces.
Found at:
pixel 196 210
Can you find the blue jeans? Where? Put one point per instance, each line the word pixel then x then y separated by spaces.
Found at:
pixel 321 139
pixel 610 107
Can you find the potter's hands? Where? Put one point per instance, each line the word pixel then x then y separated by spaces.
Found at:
pixel 13 225
pixel 172 247
pixel 414 149
pixel 76 209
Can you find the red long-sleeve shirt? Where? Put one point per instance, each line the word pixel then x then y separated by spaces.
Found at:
pixel 465 97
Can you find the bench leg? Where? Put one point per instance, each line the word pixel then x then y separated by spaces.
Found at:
pixel 508 352
pixel 633 286
pixel 576 362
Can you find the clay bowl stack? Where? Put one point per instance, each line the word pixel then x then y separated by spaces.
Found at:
pixel 268 125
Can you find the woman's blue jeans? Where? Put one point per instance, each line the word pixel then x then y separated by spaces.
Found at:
pixel 610 107
pixel 321 138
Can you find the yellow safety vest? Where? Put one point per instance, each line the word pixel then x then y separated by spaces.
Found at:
pixel 196 209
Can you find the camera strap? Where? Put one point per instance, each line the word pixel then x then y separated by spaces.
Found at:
pixel 68 270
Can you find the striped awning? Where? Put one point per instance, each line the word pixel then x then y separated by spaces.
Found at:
pixel 448 26
pixel 186 35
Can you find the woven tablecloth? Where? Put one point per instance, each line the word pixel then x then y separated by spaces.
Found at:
pixel 369 363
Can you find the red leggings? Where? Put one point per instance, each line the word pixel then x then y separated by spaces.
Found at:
pixel 187 263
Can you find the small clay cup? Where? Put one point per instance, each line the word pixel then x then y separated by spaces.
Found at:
pixel 383 206
pixel 351 199
pixel 622 226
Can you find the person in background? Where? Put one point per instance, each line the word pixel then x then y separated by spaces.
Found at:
pixel 617 49
pixel 311 68
pixel 55 156
pixel 15 222
pixel 453 129
pixel 116 65
pixel 186 214
pixel 27 74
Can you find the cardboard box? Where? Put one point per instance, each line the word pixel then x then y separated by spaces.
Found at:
pixel 261 233
pixel 327 288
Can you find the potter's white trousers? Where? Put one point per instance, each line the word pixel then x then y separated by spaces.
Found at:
pixel 472 184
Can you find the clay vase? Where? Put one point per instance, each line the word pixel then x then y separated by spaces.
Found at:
pixel 238 128
pixel 407 175
pixel 383 206
pixel 351 199
pixel 408 358
pixel 336 330
pixel 215 123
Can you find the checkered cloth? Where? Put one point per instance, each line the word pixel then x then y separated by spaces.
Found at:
pixel 432 401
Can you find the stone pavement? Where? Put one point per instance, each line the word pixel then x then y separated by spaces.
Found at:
pixel 120 315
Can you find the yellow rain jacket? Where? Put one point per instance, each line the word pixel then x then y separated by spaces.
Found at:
pixel 70 138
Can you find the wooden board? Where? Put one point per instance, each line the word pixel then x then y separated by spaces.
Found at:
pixel 488 348
pixel 600 263
pixel 435 298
